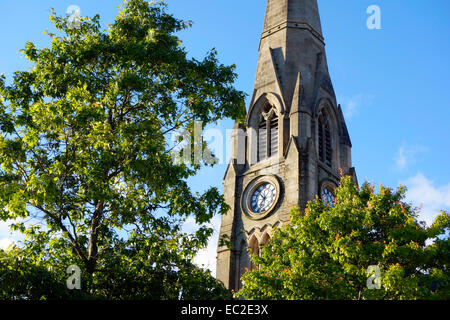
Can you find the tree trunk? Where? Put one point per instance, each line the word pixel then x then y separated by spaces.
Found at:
pixel 93 238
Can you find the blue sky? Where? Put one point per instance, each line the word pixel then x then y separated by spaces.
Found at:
pixel 392 83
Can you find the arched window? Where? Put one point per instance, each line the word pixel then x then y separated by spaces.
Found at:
pixel 328 197
pixel 243 257
pixel 268 134
pixel 265 239
pixel 325 145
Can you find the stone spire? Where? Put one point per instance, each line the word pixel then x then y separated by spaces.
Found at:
pixel 303 12
pixel 292 46
pixel 295 123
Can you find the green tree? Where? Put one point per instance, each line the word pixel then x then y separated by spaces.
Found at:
pixel 21 278
pixel 326 251
pixel 85 150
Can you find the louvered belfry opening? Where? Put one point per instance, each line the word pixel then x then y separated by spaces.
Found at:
pixel 262 140
pixel 325 149
pixel 273 136
pixel 268 134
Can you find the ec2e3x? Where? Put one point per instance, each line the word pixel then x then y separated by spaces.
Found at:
pixel 251 309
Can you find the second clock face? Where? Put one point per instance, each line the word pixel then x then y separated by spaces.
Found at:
pixel 263 198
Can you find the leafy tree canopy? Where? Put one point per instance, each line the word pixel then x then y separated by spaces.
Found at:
pixel 326 251
pixel 85 151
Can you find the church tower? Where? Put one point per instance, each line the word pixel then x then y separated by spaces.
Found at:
pixel 294 142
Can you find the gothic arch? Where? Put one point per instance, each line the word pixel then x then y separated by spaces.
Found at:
pixel 327 183
pixel 266 98
pixel 264 239
pixel 253 247
pixel 265 120
pixel 246 245
pixel 259 232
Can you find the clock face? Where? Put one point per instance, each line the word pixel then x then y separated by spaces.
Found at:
pixel 263 198
pixel 327 197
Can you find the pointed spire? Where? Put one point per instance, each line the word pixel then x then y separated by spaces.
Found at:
pixel 291 42
pixel 296 13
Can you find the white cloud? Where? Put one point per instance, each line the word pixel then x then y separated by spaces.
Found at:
pixel 407 155
pixel 4 228
pixel 350 106
pixel 206 258
pixel 401 158
pixel 6 235
pixel 5 243
pixel 422 192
